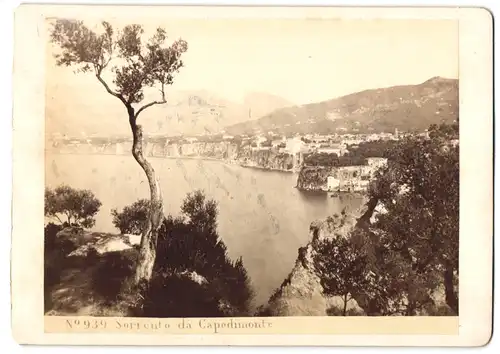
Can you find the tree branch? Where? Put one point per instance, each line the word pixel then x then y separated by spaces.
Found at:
pixel 149 105
pixel 111 92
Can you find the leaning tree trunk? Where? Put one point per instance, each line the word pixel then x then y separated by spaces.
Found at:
pixel 147 252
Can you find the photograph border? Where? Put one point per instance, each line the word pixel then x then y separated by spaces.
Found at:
pixel 474 325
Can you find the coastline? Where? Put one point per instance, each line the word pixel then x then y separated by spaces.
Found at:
pixel 333 194
pixel 322 190
pixel 200 158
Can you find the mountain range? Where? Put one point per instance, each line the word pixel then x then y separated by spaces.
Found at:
pixel 185 113
pixel 405 107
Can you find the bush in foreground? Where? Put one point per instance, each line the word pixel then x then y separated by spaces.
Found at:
pixel 190 247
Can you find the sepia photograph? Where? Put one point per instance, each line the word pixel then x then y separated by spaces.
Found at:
pixel 194 174
pixel 221 172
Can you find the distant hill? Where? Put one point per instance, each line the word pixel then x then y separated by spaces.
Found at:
pixel 198 112
pixel 407 108
pixel 186 113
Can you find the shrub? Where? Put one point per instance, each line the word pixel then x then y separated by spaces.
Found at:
pixel 335 311
pixel 50 236
pixel 132 219
pixel 78 206
pixel 333 160
pixel 112 272
pixel 173 295
pixel 190 243
pixel 55 252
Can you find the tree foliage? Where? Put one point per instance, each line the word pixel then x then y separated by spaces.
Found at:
pixel 132 219
pixel 333 160
pixel 355 156
pixel 375 148
pixel 411 249
pixel 78 206
pixel 190 243
pixel 420 190
pixel 342 270
pixel 135 65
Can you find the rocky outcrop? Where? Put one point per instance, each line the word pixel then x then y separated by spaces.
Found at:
pixel 214 150
pixel 301 294
pixel 266 159
pixel 350 179
pixel 227 151
pixel 86 242
pixel 313 178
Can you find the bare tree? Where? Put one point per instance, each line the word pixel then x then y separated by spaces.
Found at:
pixel 135 66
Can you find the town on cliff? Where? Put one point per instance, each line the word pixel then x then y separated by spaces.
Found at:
pixel 337 163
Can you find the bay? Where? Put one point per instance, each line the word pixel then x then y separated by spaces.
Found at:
pixel 262 216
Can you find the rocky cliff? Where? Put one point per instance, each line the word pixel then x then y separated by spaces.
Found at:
pixel 226 151
pixel 267 159
pixel 301 293
pixel 313 178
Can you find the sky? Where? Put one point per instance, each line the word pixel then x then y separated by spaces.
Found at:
pixel 302 61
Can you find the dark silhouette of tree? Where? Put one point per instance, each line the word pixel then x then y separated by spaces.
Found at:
pixel 333 160
pixel 133 218
pixel 56 250
pixel 341 268
pixel 79 207
pixel 190 243
pixel 376 148
pixel 420 190
pixel 135 66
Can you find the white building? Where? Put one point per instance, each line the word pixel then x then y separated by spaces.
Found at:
pixel 260 139
pixel 352 141
pixel 294 145
pixel 332 183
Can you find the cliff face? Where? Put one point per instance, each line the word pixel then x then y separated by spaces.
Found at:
pixel 223 151
pixel 301 294
pixel 313 178
pixel 267 159
pixel 220 150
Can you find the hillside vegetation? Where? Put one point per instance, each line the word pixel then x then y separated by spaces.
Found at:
pixel 91 273
pixel 398 254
